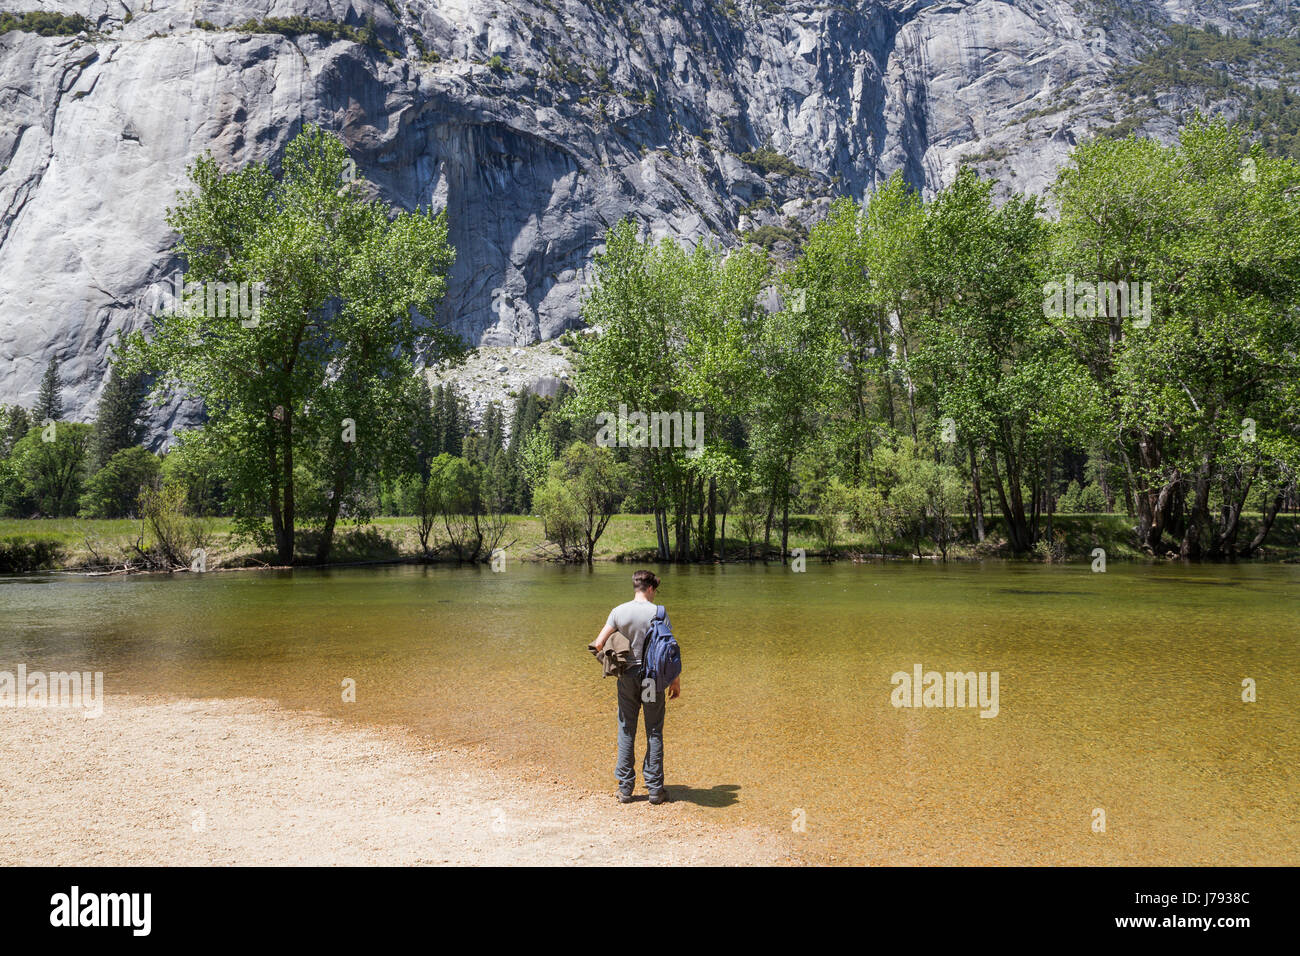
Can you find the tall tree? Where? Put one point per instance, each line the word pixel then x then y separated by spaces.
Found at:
pixel 50 464
pixel 49 403
pixel 597 481
pixel 986 357
pixel 1202 388
pixel 119 422
pixel 674 326
pixel 16 423
pixel 310 380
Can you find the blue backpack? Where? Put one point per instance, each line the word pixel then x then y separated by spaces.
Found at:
pixel 663 658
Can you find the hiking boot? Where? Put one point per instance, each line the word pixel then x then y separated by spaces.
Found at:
pixel 659 796
pixel 625 796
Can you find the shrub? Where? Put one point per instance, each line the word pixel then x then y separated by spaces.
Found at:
pixel 45 24
pixel 768 160
pixel 45 477
pixel 828 520
pixel 176 534
pixel 1068 502
pixel 561 518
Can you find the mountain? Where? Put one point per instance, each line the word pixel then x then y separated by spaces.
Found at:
pixel 539 124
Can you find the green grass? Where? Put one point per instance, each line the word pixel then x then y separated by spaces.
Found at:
pixel 67 543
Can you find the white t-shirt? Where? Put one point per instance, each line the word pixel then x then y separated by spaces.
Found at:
pixel 632 619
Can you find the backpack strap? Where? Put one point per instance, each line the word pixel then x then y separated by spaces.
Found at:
pixel 659 612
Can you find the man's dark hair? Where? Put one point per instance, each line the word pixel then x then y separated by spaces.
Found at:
pixel 644 579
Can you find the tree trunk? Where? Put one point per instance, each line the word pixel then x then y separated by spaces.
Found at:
pixel 286 484
pixel 785 523
pixel 1265 523
pixel 722 542
pixel 767 528
pixel 977 494
pixel 711 546
pixel 1192 547
pixel 336 501
pixel 1012 503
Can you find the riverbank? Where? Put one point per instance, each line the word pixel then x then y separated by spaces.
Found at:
pixel 70 544
pixel 160 781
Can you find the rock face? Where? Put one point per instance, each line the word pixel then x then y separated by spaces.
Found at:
pixel 536 125
pixel 495 373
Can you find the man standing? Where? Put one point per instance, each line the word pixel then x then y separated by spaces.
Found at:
pixel 633 620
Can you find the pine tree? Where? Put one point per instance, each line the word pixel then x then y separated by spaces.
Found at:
pixel 423 426
pixel 119 423
pixel 452 420
pixel 16 427
pixel 491 432
pixel 49 405
pixel 527 412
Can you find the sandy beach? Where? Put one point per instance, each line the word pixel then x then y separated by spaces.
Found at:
pixel 159 781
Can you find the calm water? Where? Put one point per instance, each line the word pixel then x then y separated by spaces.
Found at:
pixel 1119 691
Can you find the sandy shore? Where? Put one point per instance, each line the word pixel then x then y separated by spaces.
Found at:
pixel 155 781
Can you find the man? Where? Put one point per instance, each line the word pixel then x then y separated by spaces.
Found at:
pixel 633 620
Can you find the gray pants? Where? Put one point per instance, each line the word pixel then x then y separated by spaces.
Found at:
pixel 630 705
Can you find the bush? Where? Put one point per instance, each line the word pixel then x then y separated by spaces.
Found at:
pixel 298 25
pixel 474 530
pixel 828 520
pixel 417 496
pixel 561 518
pixel 1086 500
pixel 873 514
pixel 1068 502
pixel 769 161
pixel 176 534
pixel 1093 501
pixel 193 465
pixel 45 24
pixel 749 513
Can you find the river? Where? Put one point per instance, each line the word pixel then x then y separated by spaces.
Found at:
pixel 1119 693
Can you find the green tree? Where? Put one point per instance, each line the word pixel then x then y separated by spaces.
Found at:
pixel 597 482
pixel 341 286
pixel 50 463
pixel 114 490
pixel 118 422
pixel 675 336
pixel 1203 391
pixel 49 402
pixel 796 354
pixel 16 423
pixel 986 360
pixel 474 528
pixel 561 517
pixel 535 456
pixel 194 465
